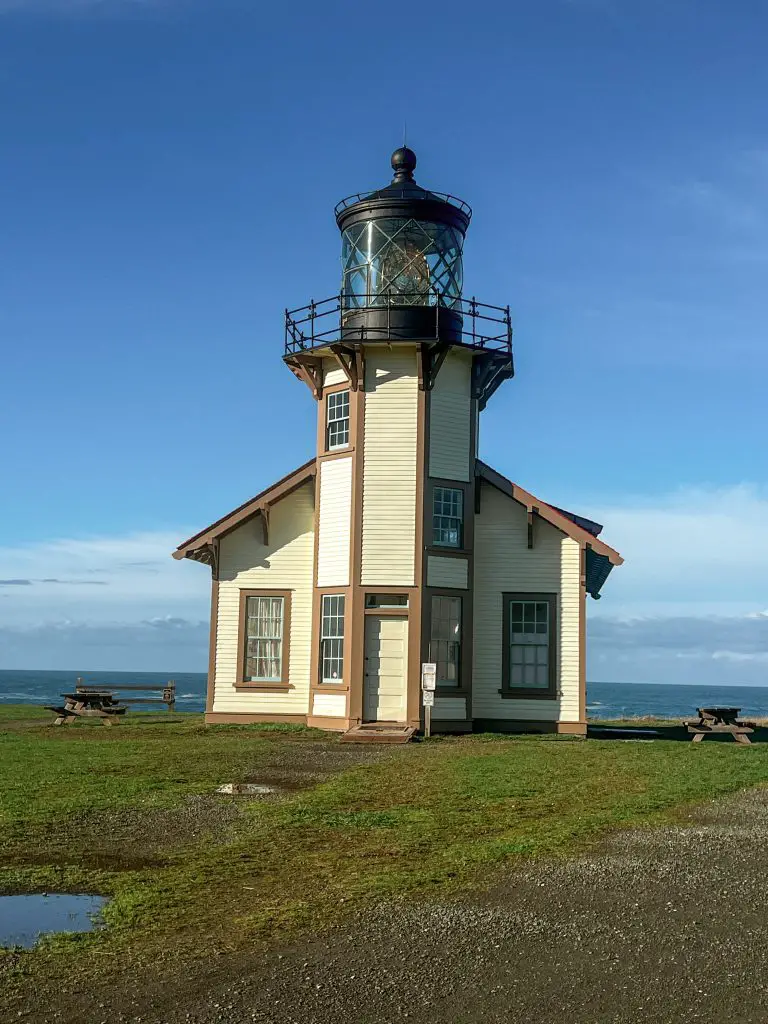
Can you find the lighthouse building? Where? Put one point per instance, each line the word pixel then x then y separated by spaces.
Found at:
pixel 395 545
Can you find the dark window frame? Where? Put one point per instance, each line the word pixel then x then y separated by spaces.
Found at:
pixel 458 686
pixel 276 686
pixel 530 693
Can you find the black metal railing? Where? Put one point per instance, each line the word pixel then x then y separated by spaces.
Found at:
pixel 405 193
pixel 476 324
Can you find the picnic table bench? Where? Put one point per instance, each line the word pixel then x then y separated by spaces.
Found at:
pixel 99 704
pixel 107 704
pixel 720 720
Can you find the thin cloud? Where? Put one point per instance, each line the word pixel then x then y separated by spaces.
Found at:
pixel 171 644
pixel 84 7
pixel 713 650
pixel 76 583
pixel 126 578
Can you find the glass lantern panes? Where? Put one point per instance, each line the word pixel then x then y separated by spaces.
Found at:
pixel 402 262
pixel 264 639
pixel 445 639
pixel 337 429
pixel 529 654
pixel 332 638
pixel 447 516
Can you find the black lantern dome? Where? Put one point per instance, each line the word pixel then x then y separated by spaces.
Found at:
pixel 402 257
pixel 401 282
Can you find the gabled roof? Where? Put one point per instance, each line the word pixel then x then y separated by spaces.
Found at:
pixel 198 547
pixel 601 558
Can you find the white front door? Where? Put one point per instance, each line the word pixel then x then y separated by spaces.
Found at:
pixel 386 664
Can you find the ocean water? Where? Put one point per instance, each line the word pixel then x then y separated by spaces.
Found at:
pixel 30 687
pixel 604 700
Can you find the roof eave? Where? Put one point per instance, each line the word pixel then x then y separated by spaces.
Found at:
pixel 547 512
pixel 248 510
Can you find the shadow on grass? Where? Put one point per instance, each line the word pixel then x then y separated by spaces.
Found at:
pixel 663 731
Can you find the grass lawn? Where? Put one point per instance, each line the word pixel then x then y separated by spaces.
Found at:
pixel 130 812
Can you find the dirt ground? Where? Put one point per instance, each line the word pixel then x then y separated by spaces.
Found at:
pixel 665 925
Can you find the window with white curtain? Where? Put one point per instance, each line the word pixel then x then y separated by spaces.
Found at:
pixel 264 619
pixel 332 638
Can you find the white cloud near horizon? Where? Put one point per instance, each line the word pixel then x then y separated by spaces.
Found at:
pixel 694 552
pixel 100 580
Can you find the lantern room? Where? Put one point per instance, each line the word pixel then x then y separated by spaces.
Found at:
pixel 401 258
pixel 402 276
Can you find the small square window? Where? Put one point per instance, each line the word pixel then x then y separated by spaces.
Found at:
pixel 337 420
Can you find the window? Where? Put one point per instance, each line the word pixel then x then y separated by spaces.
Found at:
pixel 529 644
pixel 447 516
pixel 332 639
pixel 445 639
pixel 386 600
pixel 263 647
pixel 337 420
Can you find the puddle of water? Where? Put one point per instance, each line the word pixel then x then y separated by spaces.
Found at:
pixel 246 789
pixel 23 919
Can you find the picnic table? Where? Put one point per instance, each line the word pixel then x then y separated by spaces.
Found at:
pixel 99 704
pixel 720 720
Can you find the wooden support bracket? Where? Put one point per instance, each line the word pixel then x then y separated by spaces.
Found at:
pixel 265 524
pixel 310 370
pixel 345 357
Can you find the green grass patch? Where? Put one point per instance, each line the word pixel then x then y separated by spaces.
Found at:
pixel 426 818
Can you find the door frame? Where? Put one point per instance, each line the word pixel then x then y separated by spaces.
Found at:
pixel 388 613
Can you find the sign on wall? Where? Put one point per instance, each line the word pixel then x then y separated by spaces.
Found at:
pixel 428 675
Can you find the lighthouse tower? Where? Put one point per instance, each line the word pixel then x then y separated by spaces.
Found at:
pixel 395 545
pixel 400 365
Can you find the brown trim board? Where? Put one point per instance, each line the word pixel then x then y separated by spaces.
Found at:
pixel 212 644
pixel 250 718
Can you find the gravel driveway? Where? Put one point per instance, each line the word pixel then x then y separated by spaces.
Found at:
pixel 666 925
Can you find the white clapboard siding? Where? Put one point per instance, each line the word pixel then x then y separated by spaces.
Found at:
pixel 450 709
pixel 285 564
pixel 450 419
pixel 334 523
pixel 389 473
pixel 447 572
pixel 330 705
pixel 332 373
pixel 504 563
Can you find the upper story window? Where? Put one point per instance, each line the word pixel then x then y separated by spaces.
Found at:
pixel 447 517
pixel 337 420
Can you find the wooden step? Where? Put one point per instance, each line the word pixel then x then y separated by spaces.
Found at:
pixel 379 732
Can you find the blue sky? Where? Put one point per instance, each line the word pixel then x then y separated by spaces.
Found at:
pixel 168 176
